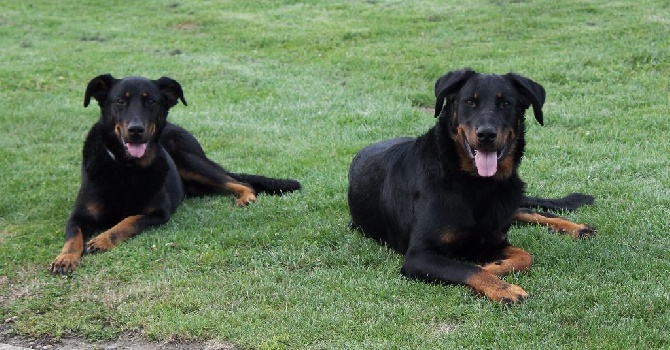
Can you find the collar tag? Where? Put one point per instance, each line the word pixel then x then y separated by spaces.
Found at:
pixel 110 154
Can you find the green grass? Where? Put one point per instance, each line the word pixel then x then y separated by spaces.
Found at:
pixel 294 89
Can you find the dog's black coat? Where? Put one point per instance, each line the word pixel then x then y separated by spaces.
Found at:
pixel 137 167
pixel 432 200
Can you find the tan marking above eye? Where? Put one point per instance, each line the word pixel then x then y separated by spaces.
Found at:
pixel 127 94
pixel 144 94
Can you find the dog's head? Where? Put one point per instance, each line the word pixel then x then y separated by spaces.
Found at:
pixel 135 109
pixel 484 114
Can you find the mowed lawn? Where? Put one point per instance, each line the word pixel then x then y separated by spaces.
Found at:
pixel 295 89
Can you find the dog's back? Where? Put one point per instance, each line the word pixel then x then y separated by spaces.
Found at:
pixel 369 175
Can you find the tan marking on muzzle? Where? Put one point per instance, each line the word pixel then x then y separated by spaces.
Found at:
pixel 467 165
pixel 506 164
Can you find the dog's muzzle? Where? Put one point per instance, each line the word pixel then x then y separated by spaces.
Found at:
pixel 483 150
pixel 136 146
pixel 134 138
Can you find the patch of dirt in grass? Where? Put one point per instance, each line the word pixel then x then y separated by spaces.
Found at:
pixel 187 26
pixel 15 292
pixel 445 327
pixel 125 342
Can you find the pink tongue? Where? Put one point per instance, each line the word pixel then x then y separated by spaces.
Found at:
pixel 486 162
pixel 136 149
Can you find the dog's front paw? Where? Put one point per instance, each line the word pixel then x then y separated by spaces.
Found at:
pixel 507 293
pixel 498 268
pixel 99 244
pixel 65 263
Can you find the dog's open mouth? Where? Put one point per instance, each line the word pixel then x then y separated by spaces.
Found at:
pixel 485 161
pixel 136 150
pixel 135 145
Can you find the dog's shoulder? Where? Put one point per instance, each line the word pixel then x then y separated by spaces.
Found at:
pixel 94 152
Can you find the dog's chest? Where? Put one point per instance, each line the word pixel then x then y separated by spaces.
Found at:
pixel 129 190
pixel 486 211
pixel 471 229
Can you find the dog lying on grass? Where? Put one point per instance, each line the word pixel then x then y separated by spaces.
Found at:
pixel 446 199
pixel 137 167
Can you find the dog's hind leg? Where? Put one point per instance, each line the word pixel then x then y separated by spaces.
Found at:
pixel 267 184
pixel 554 223
pixel 201 176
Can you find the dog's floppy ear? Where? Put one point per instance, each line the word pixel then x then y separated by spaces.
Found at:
pixel 531 90
pixel 448 84
pixel 98 88
pixel 172 90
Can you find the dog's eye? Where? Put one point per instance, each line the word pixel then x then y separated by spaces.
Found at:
pixel 120 101
pixel 506 104
pixel 151 102
pixel 470 102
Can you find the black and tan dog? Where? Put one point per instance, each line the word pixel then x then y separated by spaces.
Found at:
pixel 446 199
pixel 137 167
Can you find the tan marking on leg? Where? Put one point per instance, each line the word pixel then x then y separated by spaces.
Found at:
pixel 558 225
pixel 514 259
pixel 245 194
pixel 195 177
pixel 94 209
pixel 496 289
pixel 448 237
pixel 70 256
pixel 115 235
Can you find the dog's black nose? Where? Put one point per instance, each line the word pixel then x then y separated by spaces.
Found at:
pixel 486 134
pixel 136 130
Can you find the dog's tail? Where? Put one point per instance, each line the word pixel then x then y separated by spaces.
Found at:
pixel 569 202
pixel 268 185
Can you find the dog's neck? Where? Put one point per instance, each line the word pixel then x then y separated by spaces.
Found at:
pixel 110 153
pixel 144 162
